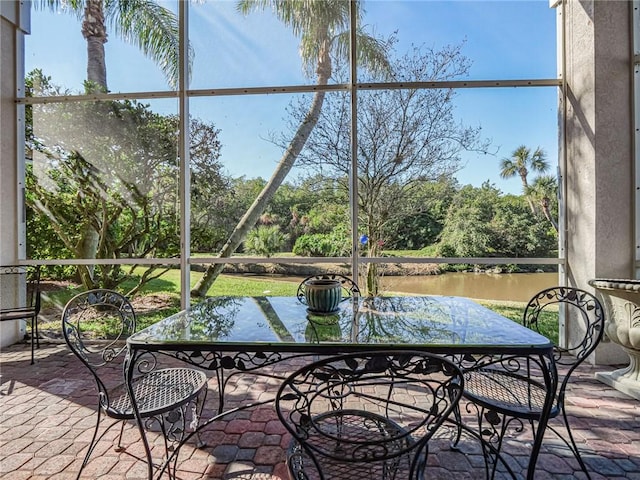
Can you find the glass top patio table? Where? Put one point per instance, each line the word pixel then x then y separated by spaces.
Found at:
pixel 248 333
pixel 441 323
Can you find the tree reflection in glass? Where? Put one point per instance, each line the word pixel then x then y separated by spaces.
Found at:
pixel 323 328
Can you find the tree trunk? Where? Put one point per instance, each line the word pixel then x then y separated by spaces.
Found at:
pixel 547 214
pixel 373 279
pixel 95 33
pixel 525 189
pixel 87 248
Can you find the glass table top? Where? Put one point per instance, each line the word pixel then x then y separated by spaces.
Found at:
pixel 434 321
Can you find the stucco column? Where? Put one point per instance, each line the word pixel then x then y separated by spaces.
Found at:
pixel 599 172
pixel 14 21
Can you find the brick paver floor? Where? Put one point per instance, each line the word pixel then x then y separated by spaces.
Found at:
pixel 47 416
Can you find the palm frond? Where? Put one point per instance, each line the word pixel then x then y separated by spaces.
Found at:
pixel 75 7
pixel 152 28
pixel 322 24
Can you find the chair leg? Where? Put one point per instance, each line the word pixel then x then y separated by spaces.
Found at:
pixel 119 447
pixel 492 429
pixel 571 443
pixel 196 415
pixel 458 422
pixel 32 339
pixel 96 438
pixel 35 322
pixel 35 337
pixel 92 444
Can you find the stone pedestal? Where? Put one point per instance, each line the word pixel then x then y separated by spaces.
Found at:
pixel 621 300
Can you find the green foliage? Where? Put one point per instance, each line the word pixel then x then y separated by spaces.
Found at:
pixel 315 205
pixel 264 240
pixel 423 216
pixel 45 242
pixel 103 182
pixel 334 244
pixel 522 160
pixel 467 231
pixel 518 233
pixel 482 222
pixel 313 245
pixel 325 217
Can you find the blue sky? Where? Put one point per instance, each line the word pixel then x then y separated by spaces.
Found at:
pixel 509 39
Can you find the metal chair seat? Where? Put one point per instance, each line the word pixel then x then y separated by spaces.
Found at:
pixel 21 297
pixel 350 442
pixel 156 393
pixel 166 397
pixel 505 397
pixel 357 435
pixel 505 392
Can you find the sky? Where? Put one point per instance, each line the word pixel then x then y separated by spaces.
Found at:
pixel 505 39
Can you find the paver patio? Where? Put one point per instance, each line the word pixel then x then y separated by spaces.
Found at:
pixel 47 416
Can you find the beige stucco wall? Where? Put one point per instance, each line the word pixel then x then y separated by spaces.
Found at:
pixel 10 16
pixel 599 148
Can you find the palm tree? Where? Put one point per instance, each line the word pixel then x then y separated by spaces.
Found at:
pixel 323 28
pixel 543 189
pixel 151 27
pixel 520 162
pixel 144 23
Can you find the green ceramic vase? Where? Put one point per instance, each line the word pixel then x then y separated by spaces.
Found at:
pixel 323 295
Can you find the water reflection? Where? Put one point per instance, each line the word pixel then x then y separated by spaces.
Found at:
pixel 519 287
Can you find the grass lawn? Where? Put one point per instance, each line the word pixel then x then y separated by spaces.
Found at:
pixel 167 288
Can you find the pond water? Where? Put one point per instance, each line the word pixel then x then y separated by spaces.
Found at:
pixel 518 287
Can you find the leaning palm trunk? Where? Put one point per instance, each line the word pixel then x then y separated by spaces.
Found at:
pixel 525 188
pixel 547 214
pixel 321 26
pixel 248 221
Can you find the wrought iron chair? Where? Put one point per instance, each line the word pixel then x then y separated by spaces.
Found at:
pixel 21 298
pixel 366 415
pixel 511 391
pixel 165 397
pixel 349 287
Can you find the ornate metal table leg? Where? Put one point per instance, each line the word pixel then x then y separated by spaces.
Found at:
pixel 129 367
pixel 550 374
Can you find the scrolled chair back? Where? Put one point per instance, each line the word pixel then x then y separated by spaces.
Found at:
pixel 366 412
pixel 95 325
pixel 584 311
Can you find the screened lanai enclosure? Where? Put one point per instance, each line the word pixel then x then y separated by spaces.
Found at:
pixel 161 146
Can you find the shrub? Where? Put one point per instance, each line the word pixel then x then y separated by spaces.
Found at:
pixel 264 240
pixel 334 244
